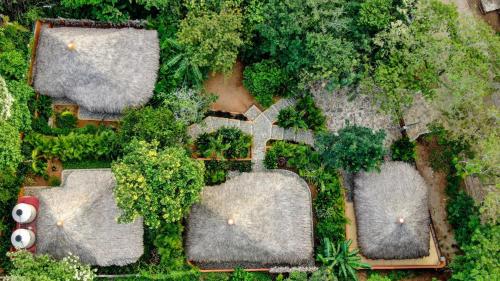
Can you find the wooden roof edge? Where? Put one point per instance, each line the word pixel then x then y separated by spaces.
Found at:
pixel 63 22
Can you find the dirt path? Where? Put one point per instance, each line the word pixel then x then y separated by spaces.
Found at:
pixel 437 200
pixel 233 97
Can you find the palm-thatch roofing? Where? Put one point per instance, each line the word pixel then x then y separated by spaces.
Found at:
pixel 392 214
pixel 80 218
pixel 101 69
pixel 256 220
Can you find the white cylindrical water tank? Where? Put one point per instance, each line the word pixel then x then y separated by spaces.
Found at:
pixel 24 213
pixel 22 238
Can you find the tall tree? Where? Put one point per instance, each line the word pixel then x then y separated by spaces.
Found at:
pixel 158 185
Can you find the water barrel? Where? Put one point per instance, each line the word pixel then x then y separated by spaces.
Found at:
pixel 22 238
pixel 24 213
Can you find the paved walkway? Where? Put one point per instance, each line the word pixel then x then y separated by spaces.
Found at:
pixel 260 127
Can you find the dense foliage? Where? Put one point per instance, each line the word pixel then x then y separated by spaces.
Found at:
pixel 404 150
pixel 211 39
pixel 29 267
pixel 216 171
pixel 340 259
pixel 304 115
pixel 264 80
pixel 225 143
pixel 150 124
pixel 75 146
pixel 353 149
pixel 159 185
pixel 329 202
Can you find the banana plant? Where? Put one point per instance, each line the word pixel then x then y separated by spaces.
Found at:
pixel 341 260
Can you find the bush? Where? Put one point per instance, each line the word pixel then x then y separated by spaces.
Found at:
pixel 168 242
pixel 54 181
pixel 329 202
pixel 480 258
pixel 304 115
pixel 10 150
pixel 463 216
pixel 354 149
pixel 188 105
pixel 240 274
pixel 264 80
pixel 75 146
pixel 215 172
pixel 151 124
pixel 230 143
pixel 29 267
pixel 66 120
pixel 377 277
pixel 404 150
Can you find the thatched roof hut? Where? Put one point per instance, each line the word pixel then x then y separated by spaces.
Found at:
pixel 101 69
pixel 392 214
pixel 80 218
pixel 253 220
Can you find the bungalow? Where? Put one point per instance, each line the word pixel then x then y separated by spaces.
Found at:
pixel 390 219
pixel 256 220
pixel 98 69
pixel 80 218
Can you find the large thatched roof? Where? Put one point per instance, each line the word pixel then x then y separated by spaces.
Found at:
pixel 272 222
pixel 80 218
pixel 392 214
pixel 104 70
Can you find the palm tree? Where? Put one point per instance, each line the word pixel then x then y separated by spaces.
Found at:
pixel 216 148
pixel 341 260
pixel 181 65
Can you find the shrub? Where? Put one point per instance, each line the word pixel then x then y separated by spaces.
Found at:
pixel 463 216
pixel 188 105
pixel 230 143
pixel 264 80
pixel 27 266
pixel 328 204
pixel 151 124
pixel 75 146
pixel 377 277
pixel 375 15
pixel 159 185
pixel 168 242
pixel 10 150
pixel 480 258
pixel 66 120
pixel 54 181
pixel 22 94
pixel 214 276
pixel 240 274
pixel 404 150
pixel 5 101
pixel 340 259
pixel 354 149
pixel 304 115
pixel 215 172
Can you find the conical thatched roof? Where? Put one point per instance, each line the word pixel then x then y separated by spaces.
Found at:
pixel 392 214
pixel 80 218
pixel 271 222
pixel 101 69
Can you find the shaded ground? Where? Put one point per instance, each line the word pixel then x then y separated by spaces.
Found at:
pixel 437 200
pixel 54 169
pixel 233 97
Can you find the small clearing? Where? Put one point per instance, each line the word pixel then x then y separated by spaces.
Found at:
pixel 233 97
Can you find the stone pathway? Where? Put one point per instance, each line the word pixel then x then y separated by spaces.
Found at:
pixel 260 127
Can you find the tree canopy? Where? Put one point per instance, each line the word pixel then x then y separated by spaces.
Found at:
pixel 354 148
pixel 158 185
